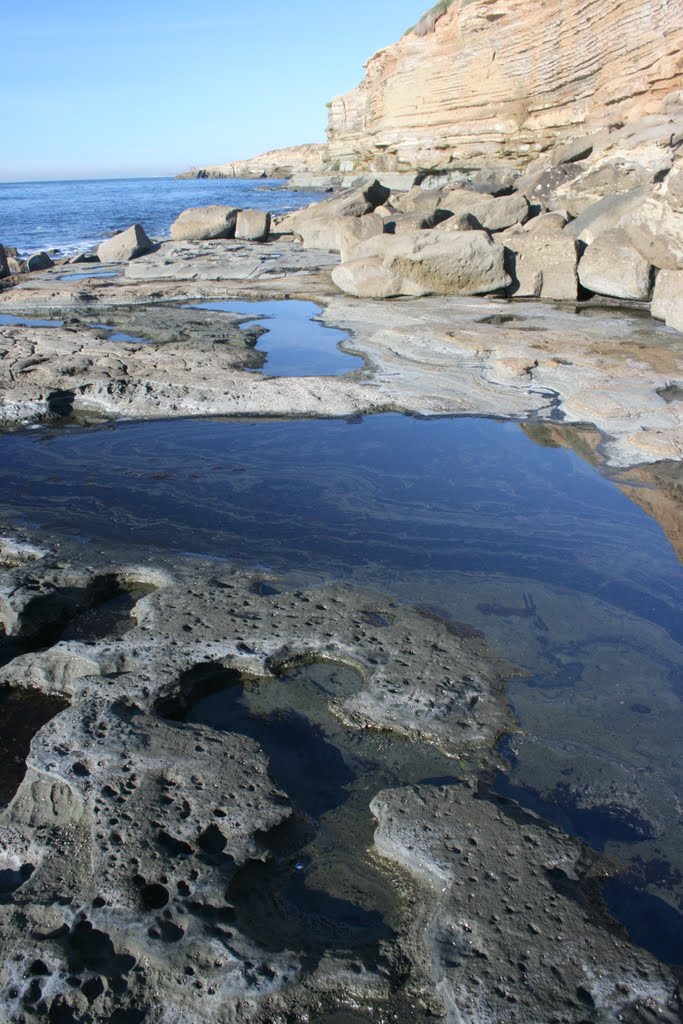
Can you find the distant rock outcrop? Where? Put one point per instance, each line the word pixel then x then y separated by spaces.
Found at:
pixel 276 163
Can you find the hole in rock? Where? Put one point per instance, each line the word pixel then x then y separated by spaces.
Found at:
pixel 22 713
pixel 100 610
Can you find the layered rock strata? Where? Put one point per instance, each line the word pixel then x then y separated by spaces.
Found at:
pixel 498 82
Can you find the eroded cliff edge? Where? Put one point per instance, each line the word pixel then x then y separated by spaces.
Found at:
pixel 500 81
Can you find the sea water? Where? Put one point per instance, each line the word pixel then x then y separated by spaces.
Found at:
pixel 71 216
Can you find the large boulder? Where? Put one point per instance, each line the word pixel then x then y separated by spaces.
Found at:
pixel 199 223
pixel 543 264
pixel 428 263
pixel 367 278
pixel 656 225
pixel 667 298
pixel 252 225
pixel 339 234
pixel 4 268
pixel 127 245
pixel 352 202
pixel 611 265
pixel 37 261
pixel 606 215
pixel 493 213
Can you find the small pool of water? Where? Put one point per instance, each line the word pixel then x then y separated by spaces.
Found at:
pixel 9 320
pixel 86 275
pixel 297 345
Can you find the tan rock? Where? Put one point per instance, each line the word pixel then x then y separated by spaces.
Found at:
pixel 354 230
pixel 504 82
pixel 336 233
pixel 612 266
pixel 431 262
pixel 203 222
pixel 667 298
pixel 252 225
pixel 127 245
pixel 493 213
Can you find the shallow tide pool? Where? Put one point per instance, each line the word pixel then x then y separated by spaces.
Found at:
pixel 467 517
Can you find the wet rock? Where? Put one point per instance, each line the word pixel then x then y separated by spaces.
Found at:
pixel 127 245
pixel 612 266
pixel 37 261
pixel 252 225
pixel 204 222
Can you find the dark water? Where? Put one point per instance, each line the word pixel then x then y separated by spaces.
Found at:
pixel 296 343
pixel 469 517
pixel 319 891
pixel 74 215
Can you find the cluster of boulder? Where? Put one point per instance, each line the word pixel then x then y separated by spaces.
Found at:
pixel 195 224
pixel 460 240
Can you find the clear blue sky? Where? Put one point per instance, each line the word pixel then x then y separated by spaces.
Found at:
pixel 93 88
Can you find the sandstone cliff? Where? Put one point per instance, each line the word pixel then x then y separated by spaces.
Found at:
pixel 500 81
pixel 276 163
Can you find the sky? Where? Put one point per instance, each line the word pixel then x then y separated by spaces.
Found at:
pixel 152 87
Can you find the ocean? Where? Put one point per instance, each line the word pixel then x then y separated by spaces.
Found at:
pixel 71 216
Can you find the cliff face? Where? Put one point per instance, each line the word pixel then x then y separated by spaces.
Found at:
pixel 500 81
pixel 276 163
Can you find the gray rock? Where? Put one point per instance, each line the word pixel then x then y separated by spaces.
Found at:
pixel 611 265
pixel 37 261
pixel 352 202
pixel 354 230
pixel 367 278
pixel 606 215
pixel 419 201
pixel 4 268
pixel 403 222
pixel 460 222
pixel 127 245
pixel 84 257
pixel 548 223
pixel 543 264
pixel 667 298
pixel 199 223
pixel 337 233
pixel 253 225
pixel 494 214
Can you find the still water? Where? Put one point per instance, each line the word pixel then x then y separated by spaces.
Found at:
pixel 470 517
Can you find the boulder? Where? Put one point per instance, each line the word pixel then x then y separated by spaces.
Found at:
pixel 354 230
pixel 37 261
pixel 252 225
pixel 656 226
pixel 127 245
pixel 14 265
pixel 367 278
pixel 493 213
pixel 199 223
pixel 606 215
pixel 419 201
pixel 403 222
pixel 84 257
pixel 547 223
pixel 434 263
pixel 335 233
pixel 460 222
pixel 611 265
pixel 4 267
pixel 543 264
pixel 667 298
pixel 353 202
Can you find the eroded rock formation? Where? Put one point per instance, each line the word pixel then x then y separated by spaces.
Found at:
pixel 500 81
